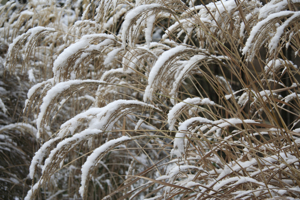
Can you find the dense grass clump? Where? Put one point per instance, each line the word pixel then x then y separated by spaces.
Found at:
pixel 152 99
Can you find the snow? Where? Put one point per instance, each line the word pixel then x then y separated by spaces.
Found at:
pixel 242 193
pixel 110 72
pixel 11 46
pixel 289 41
pixel 86 11
pixel 251 41
pixel 244 98
pixel 297 130
pixel 95 157
pixel 64 57
pixel 14 180
pixel 224 182
pixel 290 97
pixel 6 138
pixel 53 93
pixel 280 30
pixel 223 6
pixel 31 75
pixel 247 179
pixel 33 189
pixel 235 167
pixel 40 2
pixel 20 125
pixel 132 14
pixel 2 106
pixel 55 194
pixel 294 85
pixel 26 12
pixel 103 118
pixel 37 86
pixel 173 27
pixel 178 146
pixel 87 97
pixel 248 17
pixel 114 18
pixel 114 3
pixel 231 122
pixel 273 65
pixel 68 144
pixel 178 108
pixel 97 47
pixel 106 117
pixel 138 124
pixel 184 125
pixel 158 68
pixel 274 6
pixel 73 123
pixel 33 32
pixel 156 37
pixel 39 155
pixel 148 31
pixel 111 56
pixel 191 63
pixel 178 169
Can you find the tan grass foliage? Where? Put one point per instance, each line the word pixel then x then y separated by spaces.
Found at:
pixel 158 99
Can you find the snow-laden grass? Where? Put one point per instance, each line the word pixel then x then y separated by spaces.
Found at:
pixel 155 99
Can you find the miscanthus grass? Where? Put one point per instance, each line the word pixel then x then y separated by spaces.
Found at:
pixel 153 99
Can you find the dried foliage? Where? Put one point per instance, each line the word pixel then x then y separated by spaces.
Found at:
pixel 154 99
